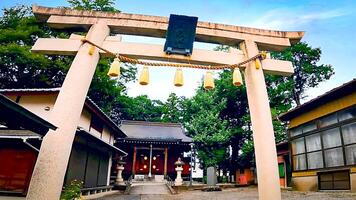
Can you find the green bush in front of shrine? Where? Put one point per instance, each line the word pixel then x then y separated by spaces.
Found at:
pixel 72 191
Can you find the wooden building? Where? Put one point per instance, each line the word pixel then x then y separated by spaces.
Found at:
pixel 322 136
pixel 20 134
pixel 153 148
pixel 92 150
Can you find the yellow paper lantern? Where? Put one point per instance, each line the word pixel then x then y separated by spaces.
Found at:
pixel 114 70
pixel 237 78
pixel 209 81
pixel 91 50
pixel 258 63
pixel 178 78
pixel 144 77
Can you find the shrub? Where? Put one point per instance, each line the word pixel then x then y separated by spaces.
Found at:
pixel 72 191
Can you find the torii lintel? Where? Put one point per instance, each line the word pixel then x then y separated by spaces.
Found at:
pixel 155 26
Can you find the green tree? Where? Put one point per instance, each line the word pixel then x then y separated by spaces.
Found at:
pixel 210 133
pixel 20 68
pixel 98 5
pixel 308 73
pixel 281 92
pixel 173 108
pixel 139 108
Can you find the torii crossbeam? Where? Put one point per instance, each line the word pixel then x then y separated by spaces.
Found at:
pixel 49 172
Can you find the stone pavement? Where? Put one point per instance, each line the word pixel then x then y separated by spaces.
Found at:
pixel 248 193
pixel 149 188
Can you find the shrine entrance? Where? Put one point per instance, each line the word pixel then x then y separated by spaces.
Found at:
pixel 49 172
pixel 147 164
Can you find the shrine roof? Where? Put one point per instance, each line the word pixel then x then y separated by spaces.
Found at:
pixel 154 131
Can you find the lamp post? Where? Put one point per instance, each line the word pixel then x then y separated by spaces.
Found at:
pixel 191 164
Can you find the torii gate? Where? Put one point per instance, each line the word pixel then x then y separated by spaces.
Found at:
pixel 49 172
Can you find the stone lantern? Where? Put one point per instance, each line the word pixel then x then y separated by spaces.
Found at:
pixel 179 168
pixel 120 168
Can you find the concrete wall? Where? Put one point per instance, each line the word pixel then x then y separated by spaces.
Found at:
pixel 85 119
pixel 106 135
pixel 40 104
pixel 307 183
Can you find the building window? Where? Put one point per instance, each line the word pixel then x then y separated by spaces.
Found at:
pixel 350 154
pixel 313 142
pixel 303 129
pixel 349 133
pixel 331 138
pixel 334 157
pixel 330 144
pixel 329 120
pixel 299 162
pixel 347 114
pixel 298 146
pixel 296 131
pixel 309 127
pixel 96 124
pixel 315 160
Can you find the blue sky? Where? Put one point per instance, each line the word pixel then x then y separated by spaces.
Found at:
pixel 330 25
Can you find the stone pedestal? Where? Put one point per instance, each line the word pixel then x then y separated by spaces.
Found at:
pixel 211 176
pixel 119 179
pixel 179 163
pixel 179 180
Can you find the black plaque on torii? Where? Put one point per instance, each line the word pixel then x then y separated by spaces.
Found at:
pixel 180 35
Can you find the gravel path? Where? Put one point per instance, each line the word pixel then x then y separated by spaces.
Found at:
pixel 249 193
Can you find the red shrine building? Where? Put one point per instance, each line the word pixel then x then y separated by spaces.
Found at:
pixel 153 148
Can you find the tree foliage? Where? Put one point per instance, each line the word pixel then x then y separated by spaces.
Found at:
pixel 97 5
pixel 209 131
pixel 307 72
pixel 20 68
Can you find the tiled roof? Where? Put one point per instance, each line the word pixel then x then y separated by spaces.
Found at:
pixel 338 92
pixel 142 130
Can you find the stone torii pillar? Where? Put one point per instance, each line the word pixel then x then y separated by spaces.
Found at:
pixel 262 127
pixel 56 145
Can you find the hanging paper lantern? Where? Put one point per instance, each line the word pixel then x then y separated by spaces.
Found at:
pixel 114 70
pixel 91 50
pixel 258 63
pixel 209 81
pixel 144 77
pixel 237 78
pixel 178 78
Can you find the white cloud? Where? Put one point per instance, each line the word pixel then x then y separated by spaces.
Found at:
pixel 294 18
